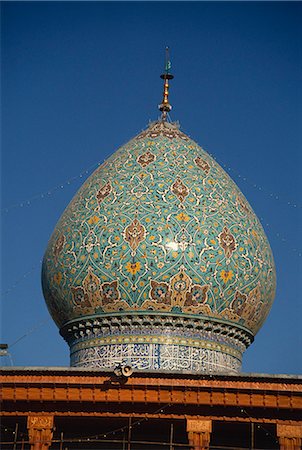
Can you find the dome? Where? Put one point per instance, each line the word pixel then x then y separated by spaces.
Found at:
pixel 159 261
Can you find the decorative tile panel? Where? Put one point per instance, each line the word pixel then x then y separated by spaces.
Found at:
pixel 160 228
pixel 170 357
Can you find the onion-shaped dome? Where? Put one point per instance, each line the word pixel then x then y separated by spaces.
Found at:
pixel 159 261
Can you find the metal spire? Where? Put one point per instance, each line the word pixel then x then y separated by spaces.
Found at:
pixel 165 106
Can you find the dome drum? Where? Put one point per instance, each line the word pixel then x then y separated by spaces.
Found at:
pixel 179 344
pixel 160 261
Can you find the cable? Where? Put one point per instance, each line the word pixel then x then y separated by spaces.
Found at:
pixel 46 194
pixel 275 196
pixel 21 278
pixel 280 237
pixel 259 426
pixel 30 331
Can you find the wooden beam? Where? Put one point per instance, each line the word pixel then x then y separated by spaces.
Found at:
pixel 199 433
pixel 129 393
pixel 107 414
pixel 290 436
pixel 40 431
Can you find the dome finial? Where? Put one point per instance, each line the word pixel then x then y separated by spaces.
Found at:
pixel 165 106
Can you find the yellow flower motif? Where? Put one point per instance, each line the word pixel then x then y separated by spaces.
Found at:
pixel 226 275
pixel 95 255
pixel 182 217
pixel 93 220
pixel 152 238
pixel 254 233
pixel 133 268
pixel 203 268
pixel 191 254
pixel 213 241
pixel 58 277
pixel 160 265
pixel 174 254
pixel 116 238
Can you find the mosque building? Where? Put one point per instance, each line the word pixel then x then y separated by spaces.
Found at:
pixel 158 276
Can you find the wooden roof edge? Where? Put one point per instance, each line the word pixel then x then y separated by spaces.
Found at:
pixel 91 372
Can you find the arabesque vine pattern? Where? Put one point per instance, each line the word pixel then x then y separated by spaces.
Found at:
pixel 160 227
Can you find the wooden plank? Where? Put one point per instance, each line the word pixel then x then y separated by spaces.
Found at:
pixel 218 398
pixel 230 398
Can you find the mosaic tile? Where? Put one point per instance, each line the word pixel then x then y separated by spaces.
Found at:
pixel 159 228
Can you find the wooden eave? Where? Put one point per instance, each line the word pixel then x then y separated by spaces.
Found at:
pixel 73 392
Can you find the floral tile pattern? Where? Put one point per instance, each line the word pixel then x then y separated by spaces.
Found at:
pixel 160 227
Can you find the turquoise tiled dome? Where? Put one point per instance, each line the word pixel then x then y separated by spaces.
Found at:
pixel 159 261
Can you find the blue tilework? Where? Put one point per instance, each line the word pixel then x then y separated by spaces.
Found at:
pixel 160 227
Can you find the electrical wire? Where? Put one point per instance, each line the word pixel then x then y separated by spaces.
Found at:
pixel 28 332
pixel 46 194
pixel 22 278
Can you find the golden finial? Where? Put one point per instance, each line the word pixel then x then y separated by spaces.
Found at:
pixel 165 106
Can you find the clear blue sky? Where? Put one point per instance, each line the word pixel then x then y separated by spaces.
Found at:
pixel 80 79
